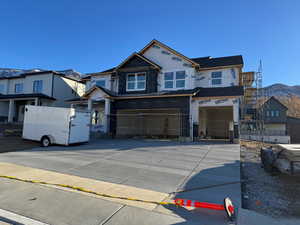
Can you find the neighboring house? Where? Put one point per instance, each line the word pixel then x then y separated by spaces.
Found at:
pixel 47 88
pixel 274 117
pixel 293 127
pixel 160 92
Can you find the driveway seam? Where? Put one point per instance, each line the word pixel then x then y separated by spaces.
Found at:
pixel 193 170
pixel 111 216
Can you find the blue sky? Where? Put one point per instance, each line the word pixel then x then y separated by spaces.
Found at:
pixel 91 36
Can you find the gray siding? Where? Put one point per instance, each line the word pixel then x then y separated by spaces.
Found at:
pixel 135 65
pixel 274 105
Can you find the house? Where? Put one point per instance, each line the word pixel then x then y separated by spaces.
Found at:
pixel 269 123
pixel 36 87
pixel 160 92
pixel 274 117
pixel 293 129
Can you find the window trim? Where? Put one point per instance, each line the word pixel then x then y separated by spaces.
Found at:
pixel 220 78
pixel 136 81
pixel 174 80
pixel 22 89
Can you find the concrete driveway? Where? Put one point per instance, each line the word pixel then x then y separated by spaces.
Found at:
pixel 206 172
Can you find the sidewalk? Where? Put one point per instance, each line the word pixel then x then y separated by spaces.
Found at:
pixel 59 207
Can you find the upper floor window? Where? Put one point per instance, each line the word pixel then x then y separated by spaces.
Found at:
pixel 136 82
pixel 2 88
pixel 174 79
pixel 216 78
pixel 19 88
pixel 101 83
pixel 273 113
pixel 37 86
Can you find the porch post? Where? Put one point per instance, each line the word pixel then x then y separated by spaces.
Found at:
pixel 236 120
pixel 107 114
pixel 36 101
pixel 11 110
pixel 90 105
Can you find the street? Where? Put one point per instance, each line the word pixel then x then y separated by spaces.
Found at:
pixel 161 170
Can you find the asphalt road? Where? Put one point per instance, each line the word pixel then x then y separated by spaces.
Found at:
pixel 205 172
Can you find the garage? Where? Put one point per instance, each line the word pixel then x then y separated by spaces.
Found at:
pixel 215 122
pixel 149 123
pixel 161 117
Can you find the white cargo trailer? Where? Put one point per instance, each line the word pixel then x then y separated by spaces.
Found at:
pixel 53 125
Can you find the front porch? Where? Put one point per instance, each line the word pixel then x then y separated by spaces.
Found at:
pixel 12 106
pixel 98 103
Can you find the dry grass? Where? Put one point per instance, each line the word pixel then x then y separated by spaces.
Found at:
pixel 293 105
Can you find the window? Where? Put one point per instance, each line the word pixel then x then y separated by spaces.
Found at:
pixel 2 88
pixel 277 113
pixel 174 79
pixel 268 113
pixel 37 86
pixel 272 113
pixel 136 81
pixel 101 83
pixel 216 78
pixel 19 88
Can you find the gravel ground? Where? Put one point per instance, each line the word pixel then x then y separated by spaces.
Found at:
pixel 276 195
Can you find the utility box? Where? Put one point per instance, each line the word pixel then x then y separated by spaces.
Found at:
pixel 53 125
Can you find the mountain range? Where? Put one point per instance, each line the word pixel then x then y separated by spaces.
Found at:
pixel 282 90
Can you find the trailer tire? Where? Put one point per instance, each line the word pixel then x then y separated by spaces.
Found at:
pixel 45 141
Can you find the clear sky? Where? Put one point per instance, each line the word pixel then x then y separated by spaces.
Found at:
pixel 91 36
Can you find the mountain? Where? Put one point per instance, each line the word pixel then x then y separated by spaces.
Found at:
pixel 282 90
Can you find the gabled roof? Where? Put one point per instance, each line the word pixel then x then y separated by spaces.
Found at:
pixel 200 62
pixel 275 99
pixel 156 42
pixel 141 57
pixel 96 87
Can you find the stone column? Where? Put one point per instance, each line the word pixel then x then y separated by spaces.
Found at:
pixel 11 110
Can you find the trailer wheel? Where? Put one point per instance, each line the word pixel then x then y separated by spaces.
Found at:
pixel 45 141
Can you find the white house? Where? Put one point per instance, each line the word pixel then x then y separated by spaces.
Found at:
pixel 160 92
pixel 48 88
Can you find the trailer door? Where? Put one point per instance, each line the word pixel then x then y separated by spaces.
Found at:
pixel 79 128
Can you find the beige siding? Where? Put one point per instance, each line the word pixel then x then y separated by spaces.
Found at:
pixel 65 89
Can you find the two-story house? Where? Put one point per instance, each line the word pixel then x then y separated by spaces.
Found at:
pixel 37 87
pixel 274 117
pixel 160 92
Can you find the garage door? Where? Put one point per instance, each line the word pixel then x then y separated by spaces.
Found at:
pixel 161 123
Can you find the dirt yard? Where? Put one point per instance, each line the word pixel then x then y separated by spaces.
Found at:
pixel 276 195
pixel 9 144
pixel 13 142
